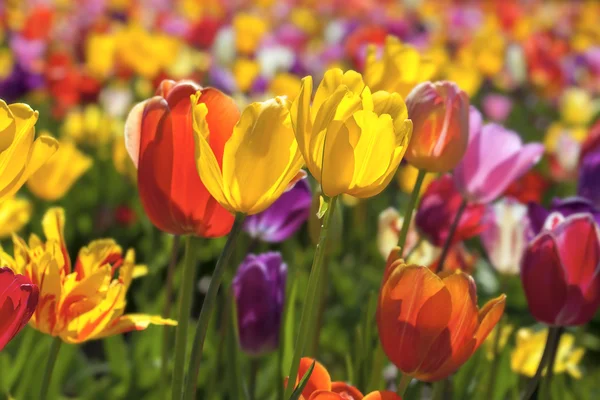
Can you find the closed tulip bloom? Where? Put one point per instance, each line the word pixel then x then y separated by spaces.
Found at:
pixel 159 138
pixel 259 290
pixel 440 115
pixel 18 299
pixel 430 325
pixel 84 300
pixel 560 271
pixel 352 140
pixel 15 213
pixel 400 68
pixel 20 153
pixel 61 171
pixel 284 217
pixel 495 157
pixel 260 159
pixel 537 215
pixel 505 235
pixel 437 210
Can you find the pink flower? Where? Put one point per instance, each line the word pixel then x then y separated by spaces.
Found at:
pixel 495 158
pixel 497 107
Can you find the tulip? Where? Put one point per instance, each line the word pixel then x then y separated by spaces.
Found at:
pixel 438 208
pixel 538 215
pixel 388 232
pixel 18 299
pixel 259 290
pixel 531 187
pixel 160 141
pixel 15 213
pixel 440 115
pixel 81 301
pixel 495 158
pixel 430 325
pixel 59 173
pixel 284 217
pixel 589 166
pixel 577 106
pixel 260 159
pixel 400 68
pixel 560 271
pixel 505 237
pixel 352 140
pixel 20 154
pixel 497 107
pixel 407 179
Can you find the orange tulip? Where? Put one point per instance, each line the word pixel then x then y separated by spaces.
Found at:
pixel 320 386
pixel 430 325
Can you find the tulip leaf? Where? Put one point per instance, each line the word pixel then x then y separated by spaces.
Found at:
pixel 323 206
pixel 298 391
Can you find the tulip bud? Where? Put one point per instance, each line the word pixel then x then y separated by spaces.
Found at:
pixel 440 115
pixel 18 299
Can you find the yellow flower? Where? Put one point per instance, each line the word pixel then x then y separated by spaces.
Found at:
pixel 407 177
pixel 6 63
pixel 245 72
pixel 100 54
pixel 90 126
pixel 60 172
pixel 285 84
pixel 20 154
pixel 491 340
pixel 259 160
pixel 122 161
pixel 352 140
pixel 15 213
pixel 400 68
pixel 249 31
pixel 577 107
pixel 530 347
pixel 81 301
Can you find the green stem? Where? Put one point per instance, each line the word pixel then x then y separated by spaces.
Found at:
pixel 52 356
pixel 439 388
pixel 254 367
pixel 408 211
pixel 188 282
pixel 546 390
pixel 403 384
pixel 308 309
pixel 166 313
pixel 208 306
pixel 549 352
pixel 451 232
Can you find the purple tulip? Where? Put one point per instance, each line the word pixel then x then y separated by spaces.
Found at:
pixel 494 159
pixel 284 217
pixel 589 177
pixel 565 207
pixel 259 290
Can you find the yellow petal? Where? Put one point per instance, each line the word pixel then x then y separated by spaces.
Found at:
pixel 7 126
pixel 14 214
pixel 301 119
pixel 332 80
pixel 133 322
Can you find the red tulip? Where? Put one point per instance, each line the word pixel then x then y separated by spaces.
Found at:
pixel 160 141
pixel 18 299
pixel 560 271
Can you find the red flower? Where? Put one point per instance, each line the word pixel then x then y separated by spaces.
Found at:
pixel 560 271
pixel 530 188
pixel 160 140
pixel 18 299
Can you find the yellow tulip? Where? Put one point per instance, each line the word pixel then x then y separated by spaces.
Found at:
pixel 60 172
pixel 530 345
pixel 260 158
pixel 84 300
pixel 577 107
pixel 285 84
pixel 407 177
pixel 20 154
pixel 245 72
pixel 249 31
pixel 100 51
pixel 400 68
pixel 352 140
pixel 15 213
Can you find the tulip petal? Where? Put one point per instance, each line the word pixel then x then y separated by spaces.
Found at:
pixel 347 390
pixel 336 176
pixel 325 395
pixel 7 126
pixel 133 129
pixel 134 322
pixel 489 316
pixel 382 395
pixel 319 379
pixel 332 80
pixel 53 224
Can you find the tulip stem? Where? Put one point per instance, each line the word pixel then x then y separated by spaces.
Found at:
pixel 408 211
pixel 208 306
pixel 549 354
pixel 167 312
pixel 405 380
pixel 52 356
pixel 309 307
pixel 188 282
pixel 451 232
pixel 551 360
pixel 254 366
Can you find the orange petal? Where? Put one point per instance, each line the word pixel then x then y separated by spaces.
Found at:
pixel 325 395
pixel 382 395
pixel 343 388
pixel 489 316
pixel 319 379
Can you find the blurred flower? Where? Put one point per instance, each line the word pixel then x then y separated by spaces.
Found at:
pixel 285 84
pixel 482 179
pixel 352 141
pixel 20 154
pixel 560 271
pixel 437 210
pixel 537 215
pixel 18 299
pixel 399 69
pixel 440 115
pixel 388 232
pixel 60 172
pixel 428 325
pixel 100 53
pixel 90 125
pixel 502 340
pixel 320 386
pixel 260 159
pixel 459 258
pixel 249 30
pixel 407 177
pixel 83 302
pixel 497 107
pixel 589 167
pixel 160 140
pixel 259 290
pixel 122 162
pixel 576 106
pixel 245 71
pixel 15 213
pixel 527 354
pixel 528 188
pixel 284 217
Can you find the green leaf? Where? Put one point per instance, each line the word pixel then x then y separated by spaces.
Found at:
pixel 117 355
pixel 298 391
pixel 323 206
pixel 288 326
